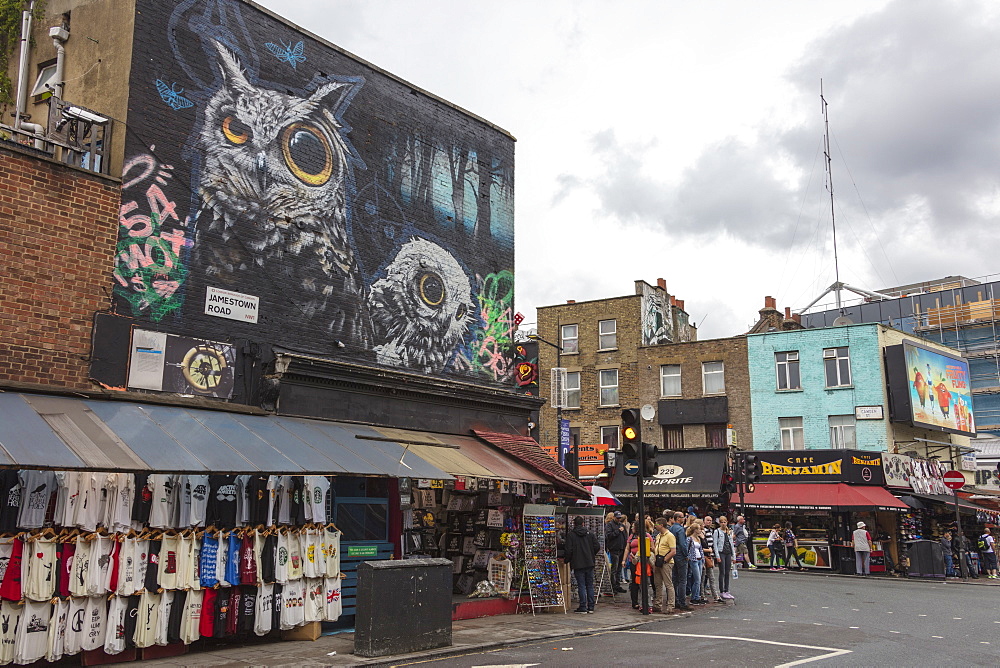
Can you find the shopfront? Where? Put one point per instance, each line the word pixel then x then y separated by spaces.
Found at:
pixel 823 493
pixel 685 478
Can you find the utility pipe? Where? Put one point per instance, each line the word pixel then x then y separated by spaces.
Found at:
pixel 22 70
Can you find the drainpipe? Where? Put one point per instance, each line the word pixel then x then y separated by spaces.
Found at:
pixel 59 37
pixel 22 70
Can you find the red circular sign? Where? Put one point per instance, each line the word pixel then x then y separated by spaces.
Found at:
pixel 954 480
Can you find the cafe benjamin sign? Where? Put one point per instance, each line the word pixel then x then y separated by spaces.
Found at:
pixel 852 466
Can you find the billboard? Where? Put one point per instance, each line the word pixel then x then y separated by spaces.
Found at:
pixel 277 189
pixel 938 389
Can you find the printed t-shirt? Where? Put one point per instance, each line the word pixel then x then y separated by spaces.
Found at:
pixel 96 615
pixel 191 624
pixel 37 487
pixel 263 609
pixel 293 614
pixel 247 611
pixel 10 618
pixel 33 632
pixel 114 639
pixel 334 604
pixel 206 620
pixel 142 502
pixel 10 500
pixel 57 631
pixel 10 588
pixel 317 487
pixel 145 628
pixel 40 563
pixel 209 561
pixel 221 512
pixel 76 624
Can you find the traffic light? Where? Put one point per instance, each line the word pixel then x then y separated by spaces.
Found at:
pixel 649 464
pixel 728 483
pixel 631 433
pixel 751 468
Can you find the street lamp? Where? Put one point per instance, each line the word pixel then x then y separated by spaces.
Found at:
pixel 575 471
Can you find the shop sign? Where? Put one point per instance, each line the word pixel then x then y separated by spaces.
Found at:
pixel 968 462
pixel 362 550
pixel 437 484
pixel 858 467
pixel 869 413
pixel 695 473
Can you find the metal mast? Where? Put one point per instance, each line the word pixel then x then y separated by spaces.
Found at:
pixel 829 182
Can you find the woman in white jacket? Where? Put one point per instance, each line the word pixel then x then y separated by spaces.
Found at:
pixel 725 548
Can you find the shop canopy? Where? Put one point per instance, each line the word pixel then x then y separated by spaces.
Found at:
pixel 58 432
pixel 694 473
pixel 821 496
pixel 963 504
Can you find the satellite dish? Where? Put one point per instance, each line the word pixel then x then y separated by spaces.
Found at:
pixel 842 320
pixel 647 412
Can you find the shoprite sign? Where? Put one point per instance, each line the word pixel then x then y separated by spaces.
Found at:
pixel 852 466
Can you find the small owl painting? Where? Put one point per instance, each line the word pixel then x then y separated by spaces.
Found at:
pixel 421 309
pixel 274 188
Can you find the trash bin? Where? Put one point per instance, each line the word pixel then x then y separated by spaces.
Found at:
pixel 403 606
pixel 926 558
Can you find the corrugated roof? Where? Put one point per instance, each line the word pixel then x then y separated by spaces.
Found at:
pixel 528 451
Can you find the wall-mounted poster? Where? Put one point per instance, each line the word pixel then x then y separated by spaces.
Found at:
pixel 168 363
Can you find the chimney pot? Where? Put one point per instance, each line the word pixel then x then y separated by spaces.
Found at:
pixel 661 283
pixel 680 304
pixel 788 312
pixel 570 301
pixel 769 302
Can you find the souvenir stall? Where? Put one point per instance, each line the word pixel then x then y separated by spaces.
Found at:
pixel 107 563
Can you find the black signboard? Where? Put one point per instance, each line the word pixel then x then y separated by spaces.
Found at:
pixel 857 467
pixel 694 473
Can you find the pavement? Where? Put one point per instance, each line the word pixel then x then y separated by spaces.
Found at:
pixel 488 633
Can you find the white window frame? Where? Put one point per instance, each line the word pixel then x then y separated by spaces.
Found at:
pixel 664 376
pixel 843 432
pixel 602 335
pixel 602 387
pixel 610 441
pixel 788 429
pixel 783 367
pixel 841 358
pixel 570 344
pixel 705 373
pixel 572 389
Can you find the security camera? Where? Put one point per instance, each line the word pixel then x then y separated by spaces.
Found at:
pixel 84 115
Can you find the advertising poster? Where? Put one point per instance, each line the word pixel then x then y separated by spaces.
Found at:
pixel 168 363
pixel 940 390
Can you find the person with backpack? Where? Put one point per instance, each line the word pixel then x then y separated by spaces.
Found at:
pixel 791 547
pixel 986 544
pixel 862 550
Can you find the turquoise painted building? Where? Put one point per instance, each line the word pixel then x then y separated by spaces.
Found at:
pixel 806 384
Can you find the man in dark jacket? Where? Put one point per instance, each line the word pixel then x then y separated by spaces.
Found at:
pixel 680 562
pixel 581 554
pixel 614 542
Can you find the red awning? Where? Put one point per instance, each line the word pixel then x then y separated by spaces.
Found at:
pixel 819 496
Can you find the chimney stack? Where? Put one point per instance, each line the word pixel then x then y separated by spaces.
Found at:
pixel 661 283
pixel 788 313
pixel 570 301
pixel 797 317
pixel 680 304
pixel 769 302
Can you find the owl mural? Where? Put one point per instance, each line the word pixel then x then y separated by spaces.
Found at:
pixel 421 308
pixel 274 187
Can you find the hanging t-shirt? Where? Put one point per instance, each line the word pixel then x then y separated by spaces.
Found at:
pixel 161 486
pixel 191 623
pixel 6 549
pixel 81 568
pixel 235 609
pixel 10 501
pixel 169 546
pixel 331 551
pixel 57 631
pixel 114 639
pixel 263 609
pixel 145 629
pixel 38 487
pixel 206 621
pixel 334 604
pixel 33 632
pixel 248 608
pixel 272 499
pixel 87 509
pixel 185 567
pixel 234 545
pixel 100 563
pixel 39 562
pixel 242 505
pixel 209 561
pixel 152 580
pixel 131 620
pixel 281 558
pixel 221 558
pixel 283 494
pixel 293 613
pixel 257 499
pixel 266 573
pixel 10 618
pixel 198 487
pixel 96 616
pixel 221 613
pixel 317 487
pixel 221 512
pixel 313 561
pixel 141 561
pixel 258 551
pixel 160 637
pixel 114 566
pixel 248 565
pixel 298 507
pixel 176 617
pixel 294 555
pixel 277 605
pixel 10 588
pixel 76 625
pixel 64 566
pixel 125 584
pixel 121 492
pixel 62 497
pixel 176 500
pixel 142 502
pixel 182 516
pixel 314 608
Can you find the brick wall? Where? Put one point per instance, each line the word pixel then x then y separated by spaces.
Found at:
pixel 57 237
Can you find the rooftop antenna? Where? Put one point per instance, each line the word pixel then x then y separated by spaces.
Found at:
pixel 837 286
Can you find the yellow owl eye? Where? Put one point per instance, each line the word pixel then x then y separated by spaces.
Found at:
pixel 307 153
pixel 461 312
pixel 431 289
pixel 236 131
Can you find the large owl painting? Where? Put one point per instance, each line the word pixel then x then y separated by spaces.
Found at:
pixel 274 192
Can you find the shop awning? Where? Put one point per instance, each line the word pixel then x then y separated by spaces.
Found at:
pixel 694 473
pixel 527 451
pixel 822 496
pixel 57 432
pixel 963 504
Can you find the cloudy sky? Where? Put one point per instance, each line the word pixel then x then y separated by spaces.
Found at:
pixel 683 139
